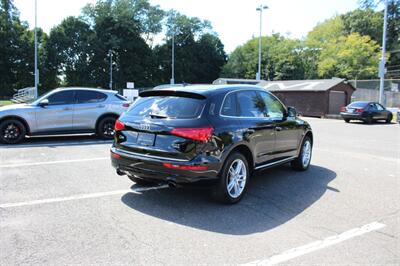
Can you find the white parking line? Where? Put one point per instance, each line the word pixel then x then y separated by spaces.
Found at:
pixel 314 246
pixel 78 197
pixel 50 144
pixel 53 162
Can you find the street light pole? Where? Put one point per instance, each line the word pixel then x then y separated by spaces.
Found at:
pixel 111 69
pixel 173 59
pixel 382 62
pixel 258 75
pixel 36 54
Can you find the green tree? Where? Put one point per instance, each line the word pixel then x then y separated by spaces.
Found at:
pixel 16 50
pixel 365 22
pixel 353 57
pixel 282 59
pixel 69 52
pixel 199 53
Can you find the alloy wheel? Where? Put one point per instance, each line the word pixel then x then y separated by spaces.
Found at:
pixel 236 179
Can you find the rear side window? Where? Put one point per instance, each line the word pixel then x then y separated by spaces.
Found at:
pixel 90 96
pixel 229 108
pixel 167 107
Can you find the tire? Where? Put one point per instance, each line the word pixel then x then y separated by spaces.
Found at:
pixel 368 120
pixel 302 163
pixel 347 120
pixel 389 119
pixel 12 131
pixel 141 182
pixel 237 183
pixel 105 128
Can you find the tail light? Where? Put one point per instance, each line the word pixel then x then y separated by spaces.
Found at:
pixel 125 105
pixel 115 155
pixel 343 109
pixel 201 134
pixel 359 110
pixel 119 126
pixel 186 167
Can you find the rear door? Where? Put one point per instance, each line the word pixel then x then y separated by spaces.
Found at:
pixel 57 115
pixel 156 126
pixel 257 128
pixel 89 106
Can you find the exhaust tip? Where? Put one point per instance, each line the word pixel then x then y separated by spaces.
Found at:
pixel 119 172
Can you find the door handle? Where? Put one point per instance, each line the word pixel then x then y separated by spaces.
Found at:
pixel 250 131
pixel 101 106
pixel 67 109
pixel 278 128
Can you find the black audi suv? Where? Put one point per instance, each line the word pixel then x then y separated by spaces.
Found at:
pixel 209 135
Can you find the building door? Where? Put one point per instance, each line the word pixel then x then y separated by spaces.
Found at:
pixel 337 99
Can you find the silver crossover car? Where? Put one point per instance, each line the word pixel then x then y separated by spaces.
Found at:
pixel 63 111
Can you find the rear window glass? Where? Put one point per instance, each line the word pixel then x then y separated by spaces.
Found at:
pixel 358 105
pixel 167 107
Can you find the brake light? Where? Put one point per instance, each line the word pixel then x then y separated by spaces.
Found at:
pixel 343 109
pixel 359 110
pixel 200 134
pixel 125 105
pixel 115 155
pixel 186 167
pixel 119 126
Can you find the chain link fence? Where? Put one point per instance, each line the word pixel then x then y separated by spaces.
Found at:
pixel 368 90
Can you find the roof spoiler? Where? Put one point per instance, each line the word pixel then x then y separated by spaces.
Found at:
pixel 177 93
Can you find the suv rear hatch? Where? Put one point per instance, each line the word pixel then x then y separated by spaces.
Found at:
pixel 164 124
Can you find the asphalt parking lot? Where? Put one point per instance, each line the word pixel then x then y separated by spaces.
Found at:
pixel 62 203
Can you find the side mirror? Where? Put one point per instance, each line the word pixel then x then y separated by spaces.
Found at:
pixel 292 112
pixel 44 103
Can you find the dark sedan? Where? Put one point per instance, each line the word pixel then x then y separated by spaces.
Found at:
pixel 368 112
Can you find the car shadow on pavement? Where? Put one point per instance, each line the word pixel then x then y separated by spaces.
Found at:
pixel 376 123
pixel 274 197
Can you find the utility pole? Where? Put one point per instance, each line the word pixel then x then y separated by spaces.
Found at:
pixel 36 55
pixel 382 62
pixel 258 75
pixel 111 68
pixel 173 59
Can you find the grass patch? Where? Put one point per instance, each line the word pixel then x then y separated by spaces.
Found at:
pixel 5 102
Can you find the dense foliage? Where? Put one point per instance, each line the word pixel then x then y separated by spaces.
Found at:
pixel 76 52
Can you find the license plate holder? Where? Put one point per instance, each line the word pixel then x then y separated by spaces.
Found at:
pixel 146 139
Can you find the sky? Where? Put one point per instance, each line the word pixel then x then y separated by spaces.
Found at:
pixel 235 21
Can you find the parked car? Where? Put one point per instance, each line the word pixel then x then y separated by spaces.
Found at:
pixel 209 134
pixel 368 112
pixel 63 111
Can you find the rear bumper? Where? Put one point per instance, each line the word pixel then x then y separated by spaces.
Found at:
pixel 152 169
pixel 352 116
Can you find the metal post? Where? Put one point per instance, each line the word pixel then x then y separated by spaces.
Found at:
pixel 36 55
pixel 111 68
pixel 258 75
pixel 173 59
pixel 383 59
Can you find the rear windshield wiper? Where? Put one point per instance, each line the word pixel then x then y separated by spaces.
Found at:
pixel 157 116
